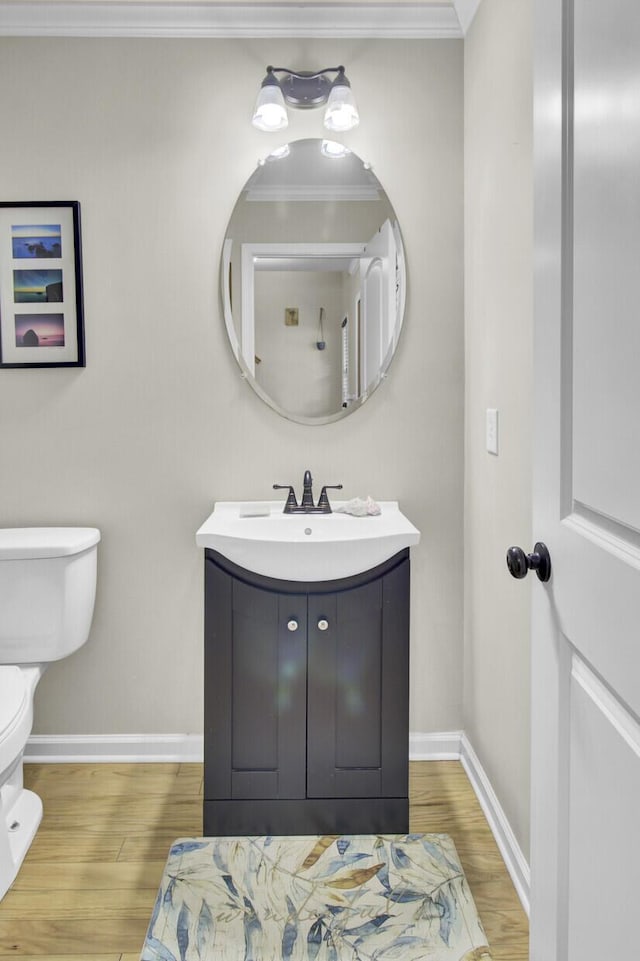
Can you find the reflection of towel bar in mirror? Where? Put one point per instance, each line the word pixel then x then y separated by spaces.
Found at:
pixel 314 230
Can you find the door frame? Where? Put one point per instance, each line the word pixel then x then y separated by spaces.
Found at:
pixel 253 253
pixel 552 285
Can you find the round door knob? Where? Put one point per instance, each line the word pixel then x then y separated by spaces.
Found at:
pixel 520 564
pixel 323 624
pixel 292 625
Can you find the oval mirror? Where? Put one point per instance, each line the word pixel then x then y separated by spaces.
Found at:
pixel 313 281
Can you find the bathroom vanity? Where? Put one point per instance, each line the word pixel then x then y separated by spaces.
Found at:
pixel 306 681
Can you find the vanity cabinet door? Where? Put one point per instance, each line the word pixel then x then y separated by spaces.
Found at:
pixel 358 687
pixel 255 690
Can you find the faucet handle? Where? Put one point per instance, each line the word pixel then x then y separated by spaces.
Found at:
pixel 291 501
pixel 323 500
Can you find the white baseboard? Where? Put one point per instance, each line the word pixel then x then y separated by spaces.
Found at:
pixel 510 850
pixel 113 748
pixel 439 746
pixel 455 746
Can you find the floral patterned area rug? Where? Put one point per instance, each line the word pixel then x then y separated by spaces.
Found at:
pixel 334 898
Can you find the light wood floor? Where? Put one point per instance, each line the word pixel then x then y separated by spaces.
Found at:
pixel 87 886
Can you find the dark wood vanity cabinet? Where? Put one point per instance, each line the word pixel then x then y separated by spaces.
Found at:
pixel 306 702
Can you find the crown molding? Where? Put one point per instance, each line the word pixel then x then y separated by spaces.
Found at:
pixel 271 193
pixel 466 11
pixel 133 18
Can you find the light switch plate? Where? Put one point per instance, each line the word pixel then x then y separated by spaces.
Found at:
pixel 492 430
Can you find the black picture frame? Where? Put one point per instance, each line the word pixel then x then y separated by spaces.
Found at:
pixel 41 287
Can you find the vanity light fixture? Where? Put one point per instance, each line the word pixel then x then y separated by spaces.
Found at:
pixel 305 89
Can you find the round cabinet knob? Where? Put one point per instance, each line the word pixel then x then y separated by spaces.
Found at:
pixel 292 625
pixel 520 564
pixel 323 624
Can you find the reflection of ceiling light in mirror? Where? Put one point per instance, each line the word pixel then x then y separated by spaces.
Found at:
pixel 305 89
pixel 334 150
pixel 279 154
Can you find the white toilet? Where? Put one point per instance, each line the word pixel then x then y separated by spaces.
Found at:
pixel 47 593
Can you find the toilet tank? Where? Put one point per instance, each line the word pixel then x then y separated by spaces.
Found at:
pixel 47 591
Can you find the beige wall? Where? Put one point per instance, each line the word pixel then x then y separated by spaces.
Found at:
pixel 160 424
pixel 498 337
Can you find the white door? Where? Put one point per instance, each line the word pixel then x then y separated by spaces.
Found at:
pixel 373 306
pixel 585 857
pixel 378 266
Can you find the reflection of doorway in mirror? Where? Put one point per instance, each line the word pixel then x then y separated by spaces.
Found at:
pixel 312 275
pixel 294 372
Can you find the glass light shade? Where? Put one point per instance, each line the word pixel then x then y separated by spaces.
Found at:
pixel 341 112
pixel 270 112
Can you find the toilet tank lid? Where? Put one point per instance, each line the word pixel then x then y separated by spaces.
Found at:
pixel 21 543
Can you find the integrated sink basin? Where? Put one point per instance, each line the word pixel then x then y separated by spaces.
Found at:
pixel 304 547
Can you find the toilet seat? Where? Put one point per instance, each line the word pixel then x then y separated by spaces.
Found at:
pixel 16 716
pixel 13 693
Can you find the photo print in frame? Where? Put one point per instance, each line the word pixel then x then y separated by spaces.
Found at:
pixel 41 308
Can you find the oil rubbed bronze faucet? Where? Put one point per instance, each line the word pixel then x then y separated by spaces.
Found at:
pixel 306 505
pixel 307 490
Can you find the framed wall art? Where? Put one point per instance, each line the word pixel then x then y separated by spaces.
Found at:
pixel 41 310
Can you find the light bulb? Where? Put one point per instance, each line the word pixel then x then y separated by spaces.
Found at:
pixel 341 113
pixel 270 112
